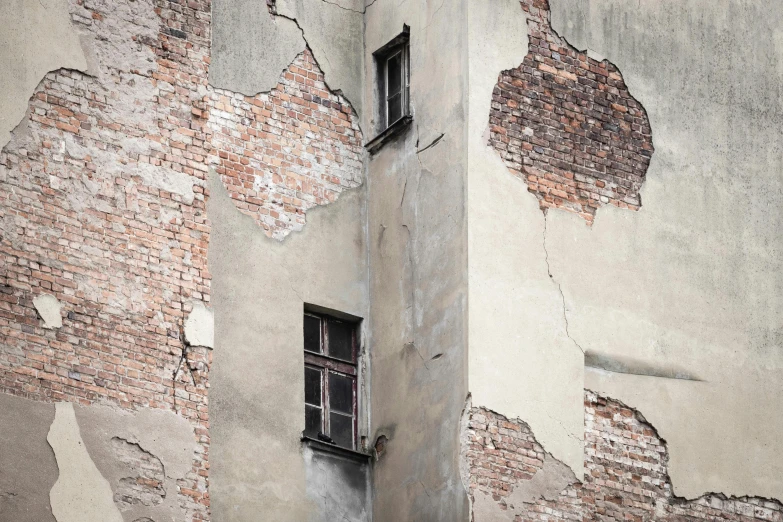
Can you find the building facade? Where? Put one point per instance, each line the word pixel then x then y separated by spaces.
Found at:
pixel 310 260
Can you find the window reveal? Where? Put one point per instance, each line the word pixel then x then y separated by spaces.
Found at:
pixel 330 347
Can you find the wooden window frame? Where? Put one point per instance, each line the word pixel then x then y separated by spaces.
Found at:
pixel 328 365
pixel 398 46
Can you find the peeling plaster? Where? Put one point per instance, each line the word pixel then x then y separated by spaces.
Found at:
pixel 50 310
pixel 81 492
pixel 693 281
pixel 251 46
pixel 200 326
pixel 336 36
pixel 519 325
pixel 25 60
pixel 163 434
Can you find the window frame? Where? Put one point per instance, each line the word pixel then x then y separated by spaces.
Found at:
pixel 397 46
pixel 327 365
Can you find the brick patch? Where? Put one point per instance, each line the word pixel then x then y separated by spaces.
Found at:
pixel 567 125
pixel 283 152
pixel 626 475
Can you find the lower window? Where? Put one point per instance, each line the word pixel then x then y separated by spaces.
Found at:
pixel 330 351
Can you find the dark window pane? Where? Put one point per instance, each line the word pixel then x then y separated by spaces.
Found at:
pixel 312 421
pixel 312 334
pixel 341 340
pixel 313 386
pixel 395 108
pixel 394 70
pixel 340 393
pixel 341 428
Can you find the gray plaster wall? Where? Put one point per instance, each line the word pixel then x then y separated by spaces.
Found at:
pixel 418 267
pixel 693 280
pixel 251 46
pixel 58 462
pixel 522 361
pixel 259 287
pixel 37 37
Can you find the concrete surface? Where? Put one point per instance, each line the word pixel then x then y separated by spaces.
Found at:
pixel 250 47
pixel 49 308
pixel 694 280
pixel 259 287
pixel 25 60
pixel 28 469
pixel 418 259
pixel 81 493
pixel 522 362
pixel 200 326
pixel 161 433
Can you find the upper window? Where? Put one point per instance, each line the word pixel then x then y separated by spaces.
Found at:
pixel 393 80
pixel 330 353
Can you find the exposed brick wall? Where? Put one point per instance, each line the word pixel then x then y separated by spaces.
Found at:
pixel 626 475
pixel 145 487
pixel 567 125
pixel 282 152
pixel 102 205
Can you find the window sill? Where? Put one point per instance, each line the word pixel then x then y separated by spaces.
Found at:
pixel 325 447
pixel 384 137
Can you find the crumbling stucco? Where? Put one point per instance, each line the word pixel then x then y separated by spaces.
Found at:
pixel 335 34
pixel 694 279
pixel 200 326
pixel 24 59
pixel 49 308
pixel 522 361
pixel 159 435
pixel 81 492
pixel 250 47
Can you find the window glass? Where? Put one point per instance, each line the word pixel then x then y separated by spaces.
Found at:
pixel 312 420
pixel 341 428
pixel 394 71
pixel 312 386
pixel 395 108
pixel 340 340
pixel 340 393
pixel 312 334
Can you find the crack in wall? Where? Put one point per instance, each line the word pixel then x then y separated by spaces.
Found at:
pixel 559 289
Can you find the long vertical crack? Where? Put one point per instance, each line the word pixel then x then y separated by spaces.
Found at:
pixel 559 289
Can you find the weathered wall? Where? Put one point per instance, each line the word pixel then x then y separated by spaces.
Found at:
pixel 257 382
pixel 338 485
pixel 92 462
pixel 680 300
pixel 512 478
pixel 101 207
pixel 522 362
pixel 693 280
pixel 25 60
pixel 285 142
pixel 418 267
